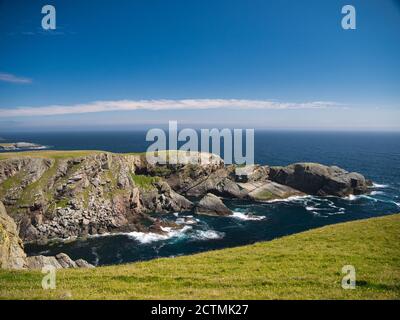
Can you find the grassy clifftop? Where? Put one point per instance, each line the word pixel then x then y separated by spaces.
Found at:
pixel 306 265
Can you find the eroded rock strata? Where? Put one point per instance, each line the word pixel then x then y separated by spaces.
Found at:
pixel 62 195
pixel 12 255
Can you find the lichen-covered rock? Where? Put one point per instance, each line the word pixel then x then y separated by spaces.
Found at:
pixel 70 197
pixel 100 192
pixel 12 255
pixel 212 205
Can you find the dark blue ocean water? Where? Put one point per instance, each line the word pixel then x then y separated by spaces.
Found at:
pixel 376 155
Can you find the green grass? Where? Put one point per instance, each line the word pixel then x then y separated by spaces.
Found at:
pixel 10 183
pixel 265 195
pixel 144 182
pixel 306 265
pixel 52 154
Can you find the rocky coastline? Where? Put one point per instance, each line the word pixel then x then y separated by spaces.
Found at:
pixel 16 146
pixel 58 195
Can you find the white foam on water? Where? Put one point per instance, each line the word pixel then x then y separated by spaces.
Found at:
pixel 290 199
pixel 351 197
pixel 246 217
pixel 186 220
pixel 310 208
pixel 208 235
pixel 370 198
pixel 148 237
pixel 373 193
pixel 378 185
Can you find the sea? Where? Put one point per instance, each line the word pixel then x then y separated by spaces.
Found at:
pixel 376 155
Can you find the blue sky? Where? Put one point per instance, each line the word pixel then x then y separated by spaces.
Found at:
pixel 280 64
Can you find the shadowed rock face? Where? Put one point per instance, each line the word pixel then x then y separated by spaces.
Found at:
pixel 74 196
pixel 317 179
pixel 212 205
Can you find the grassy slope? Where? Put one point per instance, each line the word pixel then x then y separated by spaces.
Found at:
pixel 53 154
pixel 306 265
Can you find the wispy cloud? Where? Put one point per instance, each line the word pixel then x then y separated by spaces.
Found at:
pixel 156 105
pixel 8 77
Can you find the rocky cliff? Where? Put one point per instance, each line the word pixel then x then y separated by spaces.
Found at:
pixel 74 194
pixel 12 255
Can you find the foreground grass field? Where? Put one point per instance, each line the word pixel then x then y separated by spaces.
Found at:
pixel 306 265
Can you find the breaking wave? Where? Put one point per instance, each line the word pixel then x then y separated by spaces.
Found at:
pixel 207 235
pixel 246 217
pixel 373 193
pixel 322 207
pixel 148 237
pixel 378 185
pixel 289 199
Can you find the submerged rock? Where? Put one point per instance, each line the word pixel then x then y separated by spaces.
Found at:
pixel 212 205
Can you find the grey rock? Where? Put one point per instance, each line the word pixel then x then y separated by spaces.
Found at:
pixel 210 204
pixel 251 173
pixel 80 263
pixel 65 261
pixel 268 190
pixel 318 179
pixel 39 262
pixel 12 255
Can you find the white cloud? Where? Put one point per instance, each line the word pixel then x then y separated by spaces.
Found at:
pixel 184 104
pixel 8 77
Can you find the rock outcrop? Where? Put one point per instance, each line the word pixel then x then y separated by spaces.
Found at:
pixel 268 190
pixel 317 179
pixel 212 205
pixel 60 261
pixel 65 195
pixel 12 255
pixel 13 146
